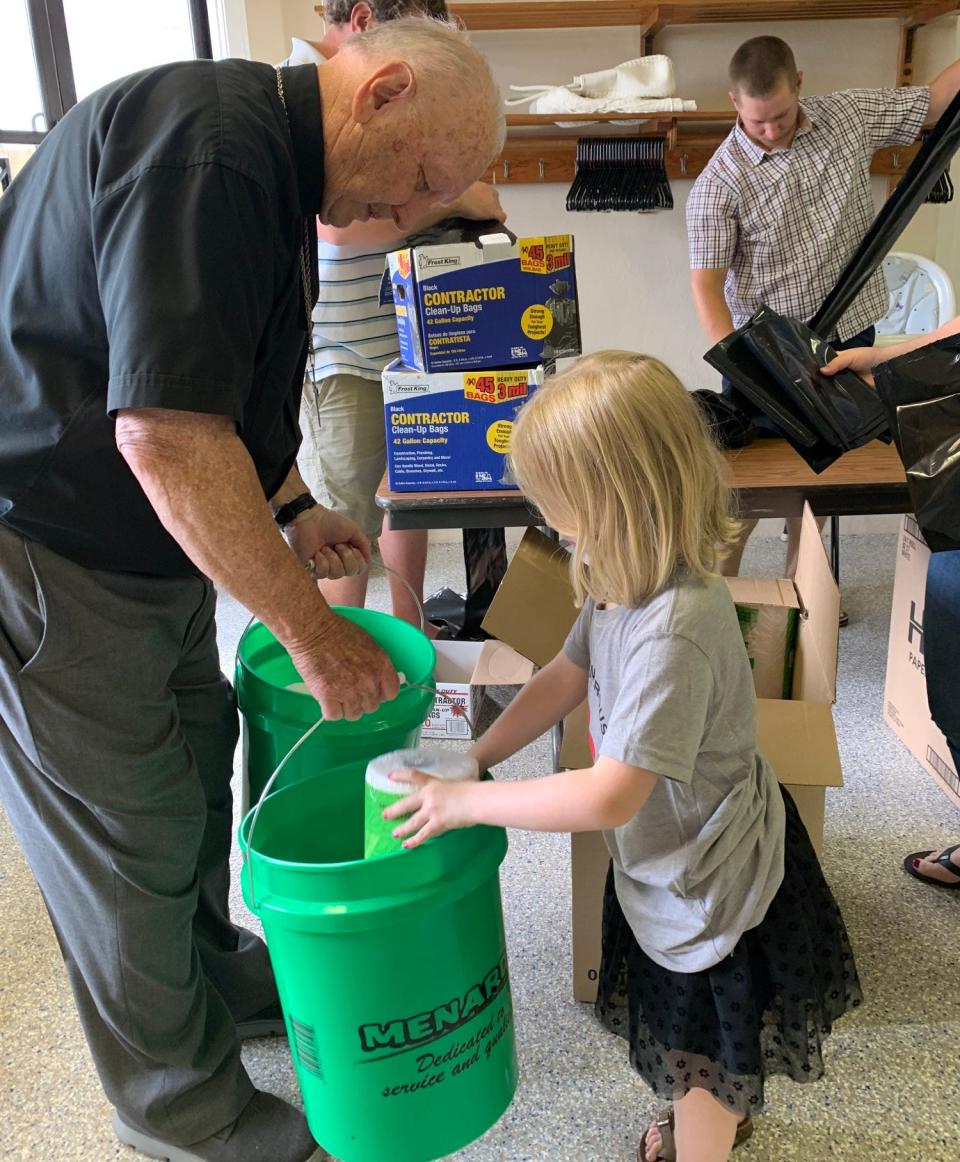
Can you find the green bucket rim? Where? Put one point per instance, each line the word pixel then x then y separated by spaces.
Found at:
pixel 475 850
pixel 355 615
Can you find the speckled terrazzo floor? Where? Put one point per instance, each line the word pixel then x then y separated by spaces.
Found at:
pixel 892 1090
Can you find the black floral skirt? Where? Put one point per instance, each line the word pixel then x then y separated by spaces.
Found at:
pixel 764 1009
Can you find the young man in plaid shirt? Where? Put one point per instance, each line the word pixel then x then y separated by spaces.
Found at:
pixel 787 197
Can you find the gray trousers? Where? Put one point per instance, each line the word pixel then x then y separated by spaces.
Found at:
pixel 117 733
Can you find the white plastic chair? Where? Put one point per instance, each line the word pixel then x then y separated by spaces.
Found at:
pixel 920 294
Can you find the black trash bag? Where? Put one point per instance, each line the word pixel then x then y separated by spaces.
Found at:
pixel 841 408
pixel 730 422
pixel 775 364
pixel 485 561
pixel 921 392
pixel 922 175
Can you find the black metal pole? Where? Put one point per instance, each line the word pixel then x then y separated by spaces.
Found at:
pixel 200 29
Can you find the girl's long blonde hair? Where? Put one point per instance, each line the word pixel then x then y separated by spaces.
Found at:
pixel 615 452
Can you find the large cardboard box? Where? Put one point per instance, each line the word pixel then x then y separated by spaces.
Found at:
pixel 796 735
pixel 450 430
pixel 463 671
pixel 490 303
pixel 905 707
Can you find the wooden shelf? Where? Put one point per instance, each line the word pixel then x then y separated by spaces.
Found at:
pixel 486 16
pixel 553 159
pixel 529 120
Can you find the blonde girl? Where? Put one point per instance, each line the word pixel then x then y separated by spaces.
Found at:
pixel 725 958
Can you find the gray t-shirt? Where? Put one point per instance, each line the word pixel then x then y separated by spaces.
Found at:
pixel 670 691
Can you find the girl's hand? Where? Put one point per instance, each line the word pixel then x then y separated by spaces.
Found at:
pixel 436 806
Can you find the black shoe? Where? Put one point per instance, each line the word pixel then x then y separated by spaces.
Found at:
pixel 268 1022
pixel 268 1130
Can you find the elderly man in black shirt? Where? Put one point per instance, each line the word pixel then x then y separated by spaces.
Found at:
pixel 157 258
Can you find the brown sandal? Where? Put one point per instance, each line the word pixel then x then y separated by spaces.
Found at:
pixel 668 1145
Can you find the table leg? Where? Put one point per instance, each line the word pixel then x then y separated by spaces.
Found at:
pixel 485 560
pixel 835 547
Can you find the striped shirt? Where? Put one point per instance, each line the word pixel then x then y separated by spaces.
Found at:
pixel 352 333
pixel 784 223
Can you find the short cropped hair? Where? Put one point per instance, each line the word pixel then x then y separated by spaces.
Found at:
pixel 453 63
pixel 338 11
pixel 760 65
pixel 615 453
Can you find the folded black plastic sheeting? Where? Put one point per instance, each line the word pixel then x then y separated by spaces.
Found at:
pixel 775 370
pixel 730 424
pixel 921 392
pixel 840 407
pixel 922 175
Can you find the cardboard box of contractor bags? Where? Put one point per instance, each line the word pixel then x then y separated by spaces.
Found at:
pixel 533 611
pixel 450 430
pixel 490 303
pixel 464 670
pixel 905 707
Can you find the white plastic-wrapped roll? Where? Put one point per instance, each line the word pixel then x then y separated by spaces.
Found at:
pixel 381 790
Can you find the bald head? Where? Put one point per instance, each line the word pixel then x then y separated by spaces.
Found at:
pixel 411 116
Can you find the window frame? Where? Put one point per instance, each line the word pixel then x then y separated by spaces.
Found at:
pixel 51 48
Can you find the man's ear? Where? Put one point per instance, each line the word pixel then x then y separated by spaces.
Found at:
pixel 361 17
pixel 391 82
pixel 733 99
pixel 799 81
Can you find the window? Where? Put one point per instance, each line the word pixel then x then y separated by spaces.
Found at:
pixel 55 52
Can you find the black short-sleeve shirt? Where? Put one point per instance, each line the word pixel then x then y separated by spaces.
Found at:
pixel 150 258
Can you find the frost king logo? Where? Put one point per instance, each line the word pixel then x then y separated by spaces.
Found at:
pixel 403 263
pixel 496 386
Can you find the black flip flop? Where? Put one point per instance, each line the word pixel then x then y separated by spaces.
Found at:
pixel 943 860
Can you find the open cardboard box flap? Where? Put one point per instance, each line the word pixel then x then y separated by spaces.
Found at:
pixel 532 609
pixel 815 669
pixel 489 663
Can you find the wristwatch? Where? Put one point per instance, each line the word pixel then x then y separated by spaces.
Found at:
pixel 292 509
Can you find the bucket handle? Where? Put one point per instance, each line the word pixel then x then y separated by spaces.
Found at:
pixel 312 570
pixel 384 568
pixel 248 856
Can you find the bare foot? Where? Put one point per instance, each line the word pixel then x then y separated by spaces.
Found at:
pixel 928 867
pixel 654 1142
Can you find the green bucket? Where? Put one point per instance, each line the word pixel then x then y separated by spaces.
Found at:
pixel 274 717
pixel 392 973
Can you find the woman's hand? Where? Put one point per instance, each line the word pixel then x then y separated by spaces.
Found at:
pixel 435 807
pixel 862 360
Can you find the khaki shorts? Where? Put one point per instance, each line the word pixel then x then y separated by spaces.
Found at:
pixel 343 455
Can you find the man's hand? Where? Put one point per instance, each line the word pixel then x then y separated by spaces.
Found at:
pixel 862 360
pixel 435 807
pixel 334 543
pixel 481 202
pixel 345 670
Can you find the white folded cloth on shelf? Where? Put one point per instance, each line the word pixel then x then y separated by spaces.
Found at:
pixel 644 85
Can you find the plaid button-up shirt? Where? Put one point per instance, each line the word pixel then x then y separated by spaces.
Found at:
pixel 784 223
